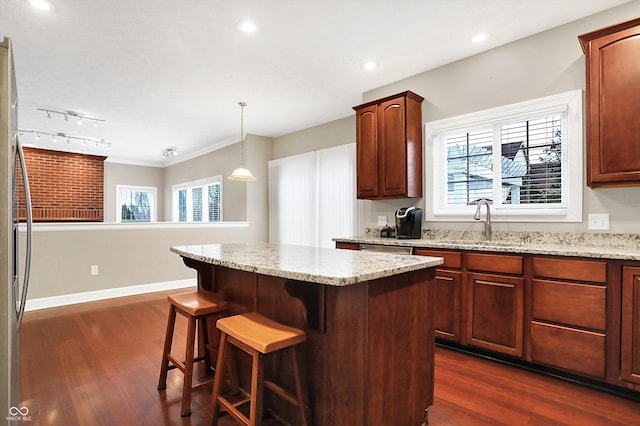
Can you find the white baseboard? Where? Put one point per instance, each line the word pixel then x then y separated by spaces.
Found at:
pixel 91 296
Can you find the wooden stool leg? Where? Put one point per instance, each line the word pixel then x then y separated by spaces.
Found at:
pixel 188 368
pixel 298 374
pixel 205 351
pixel 223 351
pixel 168 339
pixel 257 389
pixel 232 371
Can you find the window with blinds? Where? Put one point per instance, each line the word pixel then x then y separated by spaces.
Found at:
pixel 526 159
pixel 198 201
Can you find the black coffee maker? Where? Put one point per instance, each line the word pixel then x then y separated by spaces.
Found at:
pixel 409 222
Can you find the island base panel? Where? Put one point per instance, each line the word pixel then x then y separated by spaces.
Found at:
pixel 369 354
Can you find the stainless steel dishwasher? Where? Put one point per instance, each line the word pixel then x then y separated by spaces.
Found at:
pixel 386 249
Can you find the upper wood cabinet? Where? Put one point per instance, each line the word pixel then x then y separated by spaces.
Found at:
pixel 389 147
pixel 613 102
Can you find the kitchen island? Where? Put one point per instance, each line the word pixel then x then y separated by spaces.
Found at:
pixel 368 317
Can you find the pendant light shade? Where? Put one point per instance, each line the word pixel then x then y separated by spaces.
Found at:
pixel 241 173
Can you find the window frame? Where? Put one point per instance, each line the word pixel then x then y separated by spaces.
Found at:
pixel 153 201
pixel 570 104
pixel 188 186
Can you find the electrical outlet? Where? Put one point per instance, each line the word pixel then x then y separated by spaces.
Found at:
pixel 382 221
pixel 599 222
pixel 94 269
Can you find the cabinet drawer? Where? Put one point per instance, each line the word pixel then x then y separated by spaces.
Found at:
pixel 452 259
pixel 570 349
pixel 581 305
pixel 347 246
pixel 579 270
pixel 494 263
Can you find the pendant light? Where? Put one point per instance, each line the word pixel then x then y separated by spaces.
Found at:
pixel 241 173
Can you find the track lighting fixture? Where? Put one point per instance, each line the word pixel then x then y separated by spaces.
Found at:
pixel 70 138
pixel 80 118
pixel 168 152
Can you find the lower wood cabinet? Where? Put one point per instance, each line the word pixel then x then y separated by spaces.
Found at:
pixel 448 288
pixel 494 287
pixel 447 313
pixel 568 348
pixel 495 315
pixel 568 321
pixel 630 336
pixel 578 315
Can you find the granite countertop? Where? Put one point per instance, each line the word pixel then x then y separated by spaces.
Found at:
pixel 312 264
pixel 592 245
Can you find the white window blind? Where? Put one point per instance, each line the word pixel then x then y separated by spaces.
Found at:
pixel 525 158
pixel 198 201
pixel 312 197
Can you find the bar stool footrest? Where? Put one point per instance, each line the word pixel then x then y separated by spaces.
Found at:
pixel 283 393
pixel 232 408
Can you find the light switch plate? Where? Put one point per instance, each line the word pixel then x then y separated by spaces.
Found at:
pixel 382 221
pixel 599 222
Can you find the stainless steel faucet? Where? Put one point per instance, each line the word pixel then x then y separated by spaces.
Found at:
pixel 487 222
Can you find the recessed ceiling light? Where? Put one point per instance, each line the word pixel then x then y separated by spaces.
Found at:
pixel 248 27
pixel 40 4
pixel 479 38
pixel 369 65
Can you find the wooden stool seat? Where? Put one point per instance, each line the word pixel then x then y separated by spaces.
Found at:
pixel 197 304
pixel 196 307
pixel 257 336
pixel 260 333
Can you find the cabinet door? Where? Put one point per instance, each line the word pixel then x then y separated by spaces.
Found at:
pixel 393 147
pixel 495 315
pixel 630 350
pixel 367 152
pixel 447 307
pixel 613 97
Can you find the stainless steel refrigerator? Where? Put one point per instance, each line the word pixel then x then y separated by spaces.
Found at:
pixel 15 239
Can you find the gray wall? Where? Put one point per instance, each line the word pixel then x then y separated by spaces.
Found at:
pixel 126 256
pixel 220 162
pixel 338 132
pixel 139 254
pixel 544 64
pixel 125 174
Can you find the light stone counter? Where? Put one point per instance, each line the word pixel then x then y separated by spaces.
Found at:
pixel 592 245
pixel 311 264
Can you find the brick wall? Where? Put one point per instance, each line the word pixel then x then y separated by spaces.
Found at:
pixel 65 187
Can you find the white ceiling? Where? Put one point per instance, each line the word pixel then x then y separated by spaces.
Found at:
pixel 171 73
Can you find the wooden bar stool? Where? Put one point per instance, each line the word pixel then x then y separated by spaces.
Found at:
pixel 258 336
pixel 196 307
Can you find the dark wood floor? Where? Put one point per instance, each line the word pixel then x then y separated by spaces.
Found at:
pixel 97 364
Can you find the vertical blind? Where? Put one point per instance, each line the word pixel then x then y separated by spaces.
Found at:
pixel 312 197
